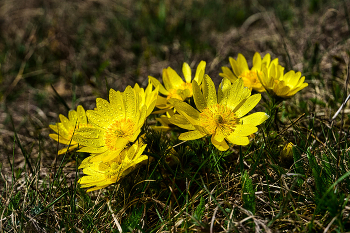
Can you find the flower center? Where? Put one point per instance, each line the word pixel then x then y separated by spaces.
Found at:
pixel 181 92
pixel 218 116
pixel 250 78
pixel 120 129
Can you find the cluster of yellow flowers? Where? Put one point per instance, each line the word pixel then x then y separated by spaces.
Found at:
pixel 111 132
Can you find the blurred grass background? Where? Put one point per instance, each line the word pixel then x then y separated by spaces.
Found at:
pixel 55 55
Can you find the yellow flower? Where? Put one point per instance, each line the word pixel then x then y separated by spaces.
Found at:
pixel 174 86
pixel 147 97
pixel 221 116
pixel 67 127
pixel 241 70
pixel 101 174
pixel 116 123
pixel 279 84
pixel 287 151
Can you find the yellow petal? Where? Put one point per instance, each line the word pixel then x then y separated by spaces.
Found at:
pixel 267 59
pixel 94 150
pixel 69 148
pixel 73 117
pixel 191 135
pixel 200 71
pixel 184 107
pixel 92 142
pixel 244 130
pixel 242 63
pixel 106 156
pixel 156 83
pixel 116 100
pixel 166 80
pixel 104 108
pixel 88 132
pixel 248 105
pixel 96 119
pixel 293 92
pixel 92 179
pixel 223 91
pixel 81 115
pixel 209 91
pixel 237 140
pixel 236 69
pixel 219 136
pixel 66 123
pixel 256 62
pixel 198 97
pixel 61 139
pixel 54 128
pixel 174 78
pixel 131 107
pixel 181 121
pixel 222 146
pixel 186 70
pixel 234 94
pixel 255 119
pixel 227 73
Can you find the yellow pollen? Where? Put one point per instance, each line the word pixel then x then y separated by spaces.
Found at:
pixel 120 129
pixel 218 116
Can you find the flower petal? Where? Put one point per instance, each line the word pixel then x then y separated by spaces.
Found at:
pixel 244 130
pixel 198 97
pixel 235 67
pixel 238 140
pixel 200 71
pixel 69 148
pixel 256 62
pixel 66 123
pixel 131 107
pixel 186 70
pixel 242 63
pixel 156 83
pixel 96 119
pixel 116 100
pixel 267 59
pixel 88 132
pixel 255 119
pixel 248 105
pixel 73 117
pixel 92 142
pixel 227 73
pixel 93 150
pixel 81 115
pixel 186 110
pixel 174 78
pixel 209 91
pixel 181 121
pixel 222 146
pixel 191 135
pixel 61 139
